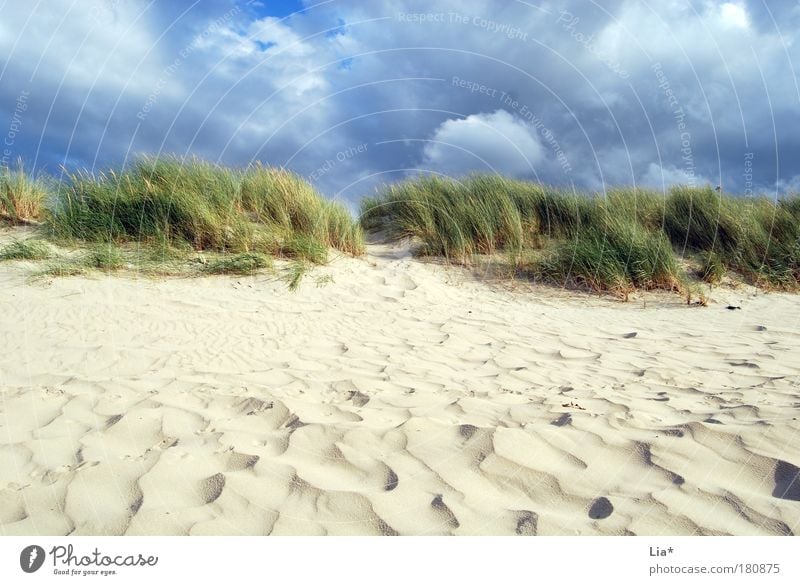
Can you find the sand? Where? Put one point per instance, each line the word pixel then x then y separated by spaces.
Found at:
pixel 392 396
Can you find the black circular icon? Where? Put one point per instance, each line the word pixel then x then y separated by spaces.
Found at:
pixel 31 558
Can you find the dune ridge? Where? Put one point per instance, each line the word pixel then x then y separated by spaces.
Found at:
pixel 395 397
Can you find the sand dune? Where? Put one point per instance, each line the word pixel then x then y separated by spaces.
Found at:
pixel 399 398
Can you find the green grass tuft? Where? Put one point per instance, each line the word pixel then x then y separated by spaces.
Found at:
pixel 294 276
pixel 624 240
pixel 105 257
pixel 60 268
pixel 302 247
pixel 620 257
pixel 480 214
pixel 22 197
pixel 713 268
pixel 175 202
pixel 26 250
pixel 244 263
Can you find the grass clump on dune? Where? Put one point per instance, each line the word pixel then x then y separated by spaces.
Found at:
pixel 61 267
pixel 244 263
pixel 26 250
pixel 620 257
pixel 625 240
pixel 480 214
pixel 22 197
pixel 294 276
pixel 160 200
pixel 296 214
pixel 754 237
pixel 451 218
pixel 105 257
pixel 167 202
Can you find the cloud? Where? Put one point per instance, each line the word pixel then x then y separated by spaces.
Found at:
pixel 734 15
pixel 495 142
pixel 570 94
pixel 660 177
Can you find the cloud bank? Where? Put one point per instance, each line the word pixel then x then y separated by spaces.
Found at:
pixel 572 93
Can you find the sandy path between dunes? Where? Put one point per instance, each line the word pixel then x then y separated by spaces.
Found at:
pixel 400 398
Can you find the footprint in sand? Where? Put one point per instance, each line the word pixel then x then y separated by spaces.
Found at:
pixel 240 461
pixel 467 430
pixel 391 480
pixel 443 511
pixel 601 508
pixel 787 481
pixel 527 523
pixel 359 398
pixel 563 420
pixel 211 487
pixel 744 364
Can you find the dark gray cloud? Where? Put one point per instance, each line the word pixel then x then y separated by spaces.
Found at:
pixel 352 94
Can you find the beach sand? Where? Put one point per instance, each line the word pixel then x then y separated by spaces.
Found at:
pixel 392 396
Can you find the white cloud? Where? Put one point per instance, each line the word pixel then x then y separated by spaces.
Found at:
pixel 490 142
pixel 274 89
pixel 659 176
pixel 789 186
pixel 734 15
pixel 89 46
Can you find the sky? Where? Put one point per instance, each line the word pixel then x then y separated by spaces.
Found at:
pixel 355 94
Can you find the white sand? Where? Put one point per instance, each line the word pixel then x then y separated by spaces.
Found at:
pixel 400 398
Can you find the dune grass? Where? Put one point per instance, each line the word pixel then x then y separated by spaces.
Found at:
pixel 295 274
pixel 62 267
pixel 305 223
pixel 106 257
pixel 171 203
pixel 173 216
pixel 22 197
pixel 244 263
pixel 624 240
pixel 481 214
pixel 620 256
pixel 159 214
pixel 753 237
pixel 26 250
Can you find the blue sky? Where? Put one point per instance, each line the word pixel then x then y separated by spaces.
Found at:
pixel 281 9
pixel 353 94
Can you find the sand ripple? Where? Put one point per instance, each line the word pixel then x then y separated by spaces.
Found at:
pixel 402 398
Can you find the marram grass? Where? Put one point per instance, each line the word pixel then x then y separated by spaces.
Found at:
pixel 22 197
pixel 243 263
pixel 208 207
pixel 624 240
pixel 620 256
pixel 25 250
pixel 167 216
pixel 105 257
pixel 159 214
